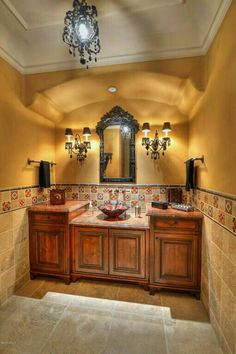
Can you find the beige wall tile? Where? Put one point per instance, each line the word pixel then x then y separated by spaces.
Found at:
pixel 215 283
pixel 21 234
pixel 229 332
pixel 20 218
pixel 6 222
pixel 22 268
pixel 229 246
pixel 6 241
pixel 216 256
pixel 6 260
pixel 21 251
pixel 217 234
pixel 229 274
pixel 8 278
pixel 214 306
pixel 228 304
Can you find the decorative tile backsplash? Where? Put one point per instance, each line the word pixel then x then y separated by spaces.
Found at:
pixel 17 198
pixel 100 194
pixel 218 206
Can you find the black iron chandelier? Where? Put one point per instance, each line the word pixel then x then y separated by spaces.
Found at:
pixel 81 31
pixel 157 145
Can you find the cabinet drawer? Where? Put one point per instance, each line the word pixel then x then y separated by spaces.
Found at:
pixel 175 225
pixel 48 218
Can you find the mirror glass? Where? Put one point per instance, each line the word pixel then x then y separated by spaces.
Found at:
pixel 116 151
pixel 117 130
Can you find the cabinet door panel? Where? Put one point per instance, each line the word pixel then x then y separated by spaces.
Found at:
pixel 90 250
pixel 47 250
pixel 175 259
pixel 127 253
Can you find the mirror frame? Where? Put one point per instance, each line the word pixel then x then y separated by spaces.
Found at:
pixel 118 116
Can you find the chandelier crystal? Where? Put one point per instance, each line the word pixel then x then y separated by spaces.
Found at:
pixel 81 31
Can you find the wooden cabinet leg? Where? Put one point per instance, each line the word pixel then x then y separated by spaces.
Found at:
pixel 152 291
pixel 67 280
pixel 32 276
pixel 146 287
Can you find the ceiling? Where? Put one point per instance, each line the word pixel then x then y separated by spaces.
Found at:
pixel 130 31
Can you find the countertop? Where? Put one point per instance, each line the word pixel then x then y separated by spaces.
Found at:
pixel 97 219
pixel 167 213
pixel 68 207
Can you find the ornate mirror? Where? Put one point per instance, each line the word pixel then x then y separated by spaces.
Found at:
pixel 117 130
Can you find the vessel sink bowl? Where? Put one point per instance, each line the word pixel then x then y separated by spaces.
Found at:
pixel 113 210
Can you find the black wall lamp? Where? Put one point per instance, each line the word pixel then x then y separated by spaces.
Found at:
pixel 78 147
pixel 156 145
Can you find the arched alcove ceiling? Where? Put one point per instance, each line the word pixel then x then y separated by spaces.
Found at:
pixel 59 101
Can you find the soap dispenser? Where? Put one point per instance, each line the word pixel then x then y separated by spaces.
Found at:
pixel 90 208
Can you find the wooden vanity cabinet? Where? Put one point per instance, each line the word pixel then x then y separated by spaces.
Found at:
pixel 175 254
pixel 109 253
pixel 49 245
pixel 128 253
pixel 49 239
pixel 89 250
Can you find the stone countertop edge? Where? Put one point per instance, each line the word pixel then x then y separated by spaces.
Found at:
pixel 96 219
pixel 173 213
pixel 68 207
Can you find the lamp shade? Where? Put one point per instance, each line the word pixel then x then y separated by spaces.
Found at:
pixel 68 132
pixel 146 128
pixel 86 131
pixel 166 127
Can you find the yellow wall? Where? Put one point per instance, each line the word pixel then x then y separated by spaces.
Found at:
pixel 213 125
pixel 33 136
pixel 168 170
pixel 23 133
pixel 184 68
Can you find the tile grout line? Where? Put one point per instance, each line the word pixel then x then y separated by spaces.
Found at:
pixel 56 325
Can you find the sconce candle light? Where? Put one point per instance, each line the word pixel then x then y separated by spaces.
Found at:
pixel 156 145
pixel 78 147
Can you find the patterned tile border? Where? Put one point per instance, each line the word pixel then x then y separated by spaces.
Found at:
pixel 101 193
pixel 21 197
pixel 219 207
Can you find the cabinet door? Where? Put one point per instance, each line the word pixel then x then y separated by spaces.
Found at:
pixel 175 259
pixel 47 250
pixel 90 250
pixel 127 253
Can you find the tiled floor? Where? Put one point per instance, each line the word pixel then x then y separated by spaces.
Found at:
pixel 106 318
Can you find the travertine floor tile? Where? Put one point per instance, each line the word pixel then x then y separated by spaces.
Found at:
pixel 92 317
pixel 25 324
pixel 184 307
pixel 185 337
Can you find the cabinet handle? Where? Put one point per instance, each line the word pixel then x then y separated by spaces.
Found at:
pixel 173 222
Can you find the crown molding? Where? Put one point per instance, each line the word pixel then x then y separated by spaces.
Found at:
pixel 10 59
pixel 116 60
pixel 215 26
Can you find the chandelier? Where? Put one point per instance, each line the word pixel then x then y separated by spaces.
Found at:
pixel 157 145
pixel 78 147
pixel 81 31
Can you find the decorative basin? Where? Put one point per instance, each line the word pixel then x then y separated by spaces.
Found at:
pixel 113 210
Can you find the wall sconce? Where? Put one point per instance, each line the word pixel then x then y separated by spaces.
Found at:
pixel 156 145
pixel 78 147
